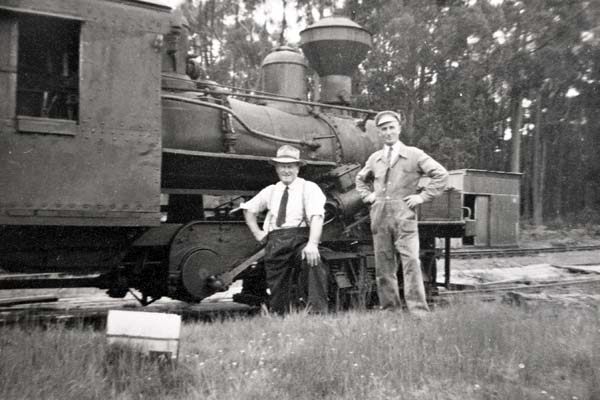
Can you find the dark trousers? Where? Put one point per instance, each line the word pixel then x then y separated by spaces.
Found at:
pixel 292 282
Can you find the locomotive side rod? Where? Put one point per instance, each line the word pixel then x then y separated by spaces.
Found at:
pixel 222 281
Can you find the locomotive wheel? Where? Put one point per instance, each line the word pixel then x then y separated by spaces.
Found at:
pixel 196 268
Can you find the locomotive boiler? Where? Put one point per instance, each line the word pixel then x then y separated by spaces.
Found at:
pixel 123 172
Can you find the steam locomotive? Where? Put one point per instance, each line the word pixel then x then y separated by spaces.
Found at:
pixel 120 171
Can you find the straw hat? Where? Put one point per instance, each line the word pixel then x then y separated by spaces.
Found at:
pixel 288 154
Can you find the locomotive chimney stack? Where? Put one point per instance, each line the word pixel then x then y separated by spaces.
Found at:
pixel 334 47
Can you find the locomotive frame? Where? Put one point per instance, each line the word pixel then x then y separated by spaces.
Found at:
pixel 110 149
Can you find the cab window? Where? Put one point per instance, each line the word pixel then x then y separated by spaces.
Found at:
pixel 48 67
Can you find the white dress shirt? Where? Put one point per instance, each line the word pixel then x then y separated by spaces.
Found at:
pixel 302 193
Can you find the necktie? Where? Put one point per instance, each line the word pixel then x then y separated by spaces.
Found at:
pixel 388 160
pixel 389 156
pixel 282 208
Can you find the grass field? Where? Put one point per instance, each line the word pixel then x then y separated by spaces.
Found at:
pixel 470 350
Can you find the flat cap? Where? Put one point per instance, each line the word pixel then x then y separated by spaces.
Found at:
pixel 387 116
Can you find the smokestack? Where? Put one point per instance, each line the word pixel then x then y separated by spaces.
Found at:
pixel 334 47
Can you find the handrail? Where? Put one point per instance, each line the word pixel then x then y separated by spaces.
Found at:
pixel 284 99
pixel 310 144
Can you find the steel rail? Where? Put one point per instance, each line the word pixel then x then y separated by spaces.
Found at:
pixel 519 288
pixel 518 251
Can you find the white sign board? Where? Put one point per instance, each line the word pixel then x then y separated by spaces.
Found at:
pixel 155 333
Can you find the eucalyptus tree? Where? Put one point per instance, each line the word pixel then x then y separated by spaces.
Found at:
pixel 465 74
pixel 463 71
pixel 546 66
pixel 420 64
pixel 230 43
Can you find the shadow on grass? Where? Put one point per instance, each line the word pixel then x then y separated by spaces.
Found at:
pixel 150 375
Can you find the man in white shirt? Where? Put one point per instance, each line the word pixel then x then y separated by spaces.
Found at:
pixel 292 230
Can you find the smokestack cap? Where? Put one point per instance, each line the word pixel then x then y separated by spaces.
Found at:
pixel 336 21
pixel 285 55
pixel 335 45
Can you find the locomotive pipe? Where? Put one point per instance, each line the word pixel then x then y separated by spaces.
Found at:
pixel 245 90
pixel 310 144
pixel 291 100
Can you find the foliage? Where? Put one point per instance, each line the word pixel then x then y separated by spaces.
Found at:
pixel 231 43
pixel 459 71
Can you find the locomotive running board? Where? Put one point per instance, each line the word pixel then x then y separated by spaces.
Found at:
pixel 196 170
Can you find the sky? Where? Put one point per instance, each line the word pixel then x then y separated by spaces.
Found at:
pixel 173 3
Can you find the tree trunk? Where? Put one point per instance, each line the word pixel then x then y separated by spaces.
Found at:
pixel 283 25
pixel 421 88
pixel 537 179
pixel 582 200
pixel 517 121
pixel 558 192
pixel 410 121
pixel 526 162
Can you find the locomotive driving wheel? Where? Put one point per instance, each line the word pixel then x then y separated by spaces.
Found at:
pixel 196 270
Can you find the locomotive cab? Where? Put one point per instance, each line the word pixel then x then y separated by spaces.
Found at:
pixel 80 132
pixel 100 127
pixel 81 100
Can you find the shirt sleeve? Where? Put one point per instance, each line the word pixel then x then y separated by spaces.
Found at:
pixel 260 202
pixel 364 178
pixel 438 175
pixel 315 200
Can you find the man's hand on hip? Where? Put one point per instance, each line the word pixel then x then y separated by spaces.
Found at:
pixel 413 200
pixel 311 254
pixel 260 235
pixel 370 199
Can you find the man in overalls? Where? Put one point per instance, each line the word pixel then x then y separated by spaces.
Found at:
pixel 292 230
pixel 388 183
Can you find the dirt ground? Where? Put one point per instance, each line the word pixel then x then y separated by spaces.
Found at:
pixel 560 270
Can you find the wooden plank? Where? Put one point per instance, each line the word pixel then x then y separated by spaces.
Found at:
pixel 482 220
pixel 504 221
pixel 27 300
pixel 586 269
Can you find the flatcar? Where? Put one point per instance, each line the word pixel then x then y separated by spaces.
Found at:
pixel 121 169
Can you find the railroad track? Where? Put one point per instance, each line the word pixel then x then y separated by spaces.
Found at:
pixel 93 310
pixel 95 314
pixel 45 308
pixel 580 293
pixel 523 287
pixel 518 251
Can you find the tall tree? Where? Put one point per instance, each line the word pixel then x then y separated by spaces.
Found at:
pixel 460 72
